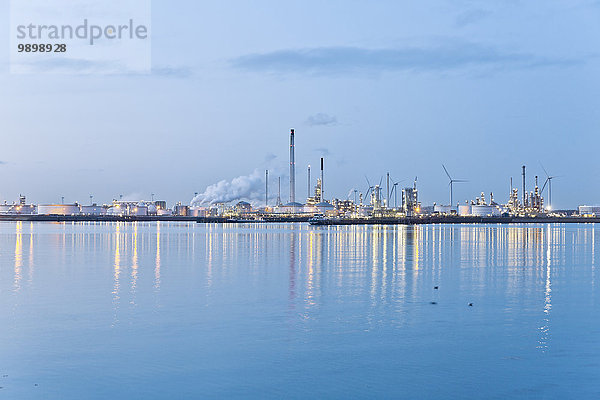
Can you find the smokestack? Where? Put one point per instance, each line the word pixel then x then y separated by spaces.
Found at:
pixel 266 188
pixel 308 182
pixel 524 192
pixel 388 190
pixel 322 181
pixel 279 192
pixel 292 169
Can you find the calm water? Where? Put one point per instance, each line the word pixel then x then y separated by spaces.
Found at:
pixel 186 311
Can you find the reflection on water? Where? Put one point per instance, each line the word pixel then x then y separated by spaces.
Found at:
pixel 240 280
pixel 18 256
pixel 157 259
pixel 386 261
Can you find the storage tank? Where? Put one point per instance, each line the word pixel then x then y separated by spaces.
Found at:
pixel 182 211
pixel 442 209
pixel 464 210
pixel 92 210
pixel 481 210
pixel 199 212
pixel 58 209
pixel 138 210
pixel 324 207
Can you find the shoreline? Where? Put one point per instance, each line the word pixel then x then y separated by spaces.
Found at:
pixel 425 220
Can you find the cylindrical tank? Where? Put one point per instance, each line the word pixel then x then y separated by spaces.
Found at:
pixel 93 210
pixel 485 211
pixel 442 209
pixel 464 210
pixel 58 209
pixel 138 210
pixel 324 207
pixel 182 211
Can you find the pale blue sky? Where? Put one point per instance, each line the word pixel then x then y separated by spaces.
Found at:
pixel 374 86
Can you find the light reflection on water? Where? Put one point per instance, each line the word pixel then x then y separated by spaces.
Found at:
pixel 298 311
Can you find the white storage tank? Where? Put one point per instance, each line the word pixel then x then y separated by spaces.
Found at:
pixel 464 210
pixel 324 207
pixel 92 210
pixel 480 210
pixel 181 210
pixel 25 209
pixel 58 209
pixel 138 210
pixel 442 209
pixel 199 212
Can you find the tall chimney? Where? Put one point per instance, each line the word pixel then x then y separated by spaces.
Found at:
pixel 292 169
pixel 279 192
pixel 524 192
pixel 266 188
pixel 388 190
pixel 308 182
pixel 322 181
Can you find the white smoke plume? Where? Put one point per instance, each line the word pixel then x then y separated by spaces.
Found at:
pixel 246 187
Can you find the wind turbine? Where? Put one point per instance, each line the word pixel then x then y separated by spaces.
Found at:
pixel 549 183
pixel 369 187
pixel 452 181
pixel 394 192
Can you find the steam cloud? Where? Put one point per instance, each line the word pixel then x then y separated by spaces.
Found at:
pixel 246 187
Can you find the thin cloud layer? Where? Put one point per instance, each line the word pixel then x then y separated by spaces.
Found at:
pixel 321 119
pixel 336 60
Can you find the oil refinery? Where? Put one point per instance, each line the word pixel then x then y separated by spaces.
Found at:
pixel 379 204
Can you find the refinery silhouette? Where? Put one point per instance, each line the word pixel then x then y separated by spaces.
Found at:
pixel 379 204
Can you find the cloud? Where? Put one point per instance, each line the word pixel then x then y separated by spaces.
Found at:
pixel 323 151
pixel 321 119
pixel 3 163
pixel 270 157
pixel 440 58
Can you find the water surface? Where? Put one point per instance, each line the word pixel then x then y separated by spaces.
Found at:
pixel 187 311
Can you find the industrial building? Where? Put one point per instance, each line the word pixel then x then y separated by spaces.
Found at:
pixel 373 204
pixel 589 211
pixel 58 209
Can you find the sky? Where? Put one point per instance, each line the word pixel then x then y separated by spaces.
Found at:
pixel 373 86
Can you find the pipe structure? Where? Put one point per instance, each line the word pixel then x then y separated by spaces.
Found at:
pixel 308 195
pixel 322 180
pixel 292 169
pixel 524 192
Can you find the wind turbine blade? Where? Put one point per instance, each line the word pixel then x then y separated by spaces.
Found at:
pixel 446 171
pixel 545 183
pixel 546 172
pixel 459 180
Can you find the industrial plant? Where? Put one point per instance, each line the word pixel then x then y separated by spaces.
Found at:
pixel 378 204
